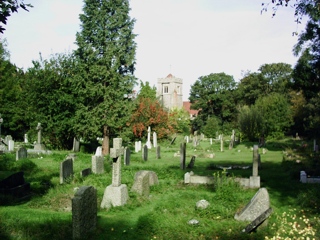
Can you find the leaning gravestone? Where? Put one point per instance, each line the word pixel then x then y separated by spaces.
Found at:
pixel 257 206
pixel 76 145
pixel 84 212
pixel 192 161
pixel 66 170
pixel 258 221
pixel 21 153
pixel 97 164
pixel 98 151
pixel 115 194
pixel 172 142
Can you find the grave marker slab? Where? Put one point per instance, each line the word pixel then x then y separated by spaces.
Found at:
pixel 192 161
pixel 257 205
pixel 145 153
pixel 126 158
pixel 258 221
pixel 97 164
pixel 85 172
pixel 84 212
pixel 66 170
pixel 183 156
pixel 21 153
pixel 158 152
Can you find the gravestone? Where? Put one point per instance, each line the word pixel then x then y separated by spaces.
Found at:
pixel 84 212
pixel 183 156
pixel 232 140
pixel 13 184
pixel 143 180
pixel 257 205
pixel 127 154
pixel 139 146
pixel 155 140
pixel 7 139
pixel 145 153
pixel 149 136
pixel 136 146
pixel 26 138
pixel 21 153
pixel 73 156
pixel 115 194
pixel 66 170
pixel 85 172
pixel 255 179
pixel 97 164
pixel 76 145
pixel 221 143
pixel 141 184
pixel 39 146
pixel 98 151
pixel 192 161
pixel 10 145
pixel 258 221
pixel 172 141
pixel 158 152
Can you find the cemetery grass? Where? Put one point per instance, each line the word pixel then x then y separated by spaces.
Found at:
pixel 165 213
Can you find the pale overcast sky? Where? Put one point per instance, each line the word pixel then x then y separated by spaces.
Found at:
pixel 187 38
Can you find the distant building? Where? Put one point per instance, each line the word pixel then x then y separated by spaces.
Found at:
pixel 169 92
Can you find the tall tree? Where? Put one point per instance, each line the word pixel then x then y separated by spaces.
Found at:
pixel 106 55
pixel 7 7
pixel 213 94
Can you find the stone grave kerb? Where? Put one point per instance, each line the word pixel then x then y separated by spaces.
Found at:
pixel 115 154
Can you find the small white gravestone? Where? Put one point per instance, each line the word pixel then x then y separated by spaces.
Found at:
pixel 98 151
pixel 149 136
pixel 155 141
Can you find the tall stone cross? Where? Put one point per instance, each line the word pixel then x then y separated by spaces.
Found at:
pixel 115 154
pixel 39 132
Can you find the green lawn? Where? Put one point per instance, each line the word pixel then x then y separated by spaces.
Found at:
pixel 171 204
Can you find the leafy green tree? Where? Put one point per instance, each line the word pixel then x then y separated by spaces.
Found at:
pixel 7 7
pixel 276 112
pixel 179 118
pixel 47 90
pixel 250 122
pixel 146 91
pixel 270 78
pixel 10 96
pixel 213 94
pixel 211 128
pixel 106 59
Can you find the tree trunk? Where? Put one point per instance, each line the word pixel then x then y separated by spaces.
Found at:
pixel 105 142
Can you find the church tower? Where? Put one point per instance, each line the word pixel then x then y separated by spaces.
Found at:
pixel 169 92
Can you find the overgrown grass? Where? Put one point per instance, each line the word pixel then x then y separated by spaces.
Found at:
pixel 165 213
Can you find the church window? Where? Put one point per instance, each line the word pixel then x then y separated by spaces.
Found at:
pixel 165 89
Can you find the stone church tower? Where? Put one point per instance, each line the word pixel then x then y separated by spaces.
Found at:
pixel 169 92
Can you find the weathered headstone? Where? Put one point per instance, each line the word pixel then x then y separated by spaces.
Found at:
pixel 10 145
pixel 192 161
pixel 115 194
pixel 21 153
pixel 258 221
pixel 141 184
pixel 158 152
pixel 221 143
pixel 136 146
pixel 232 140
pixel 145 153
pixel 257 205
pixel 66 170
pixel 155 140
pixel 183 156
pixel 97 164
pixel 7 139
pixel 98 151
pixel 139 146
pixel 255 179
pixel 85 172
pixel 76 145
pixel 126 157
pixel 84 212
pixel 13 184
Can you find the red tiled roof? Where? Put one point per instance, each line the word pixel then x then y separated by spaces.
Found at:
pixel 170 76
pixel 187 107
